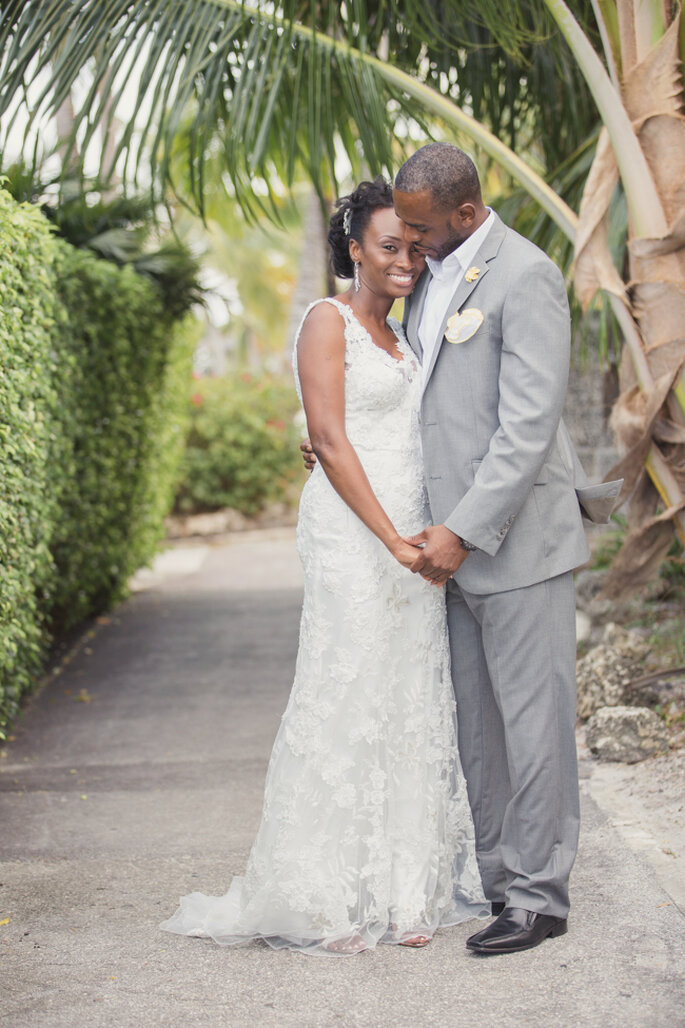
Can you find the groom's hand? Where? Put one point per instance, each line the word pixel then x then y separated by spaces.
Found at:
pixel 441 556
pixel 308 455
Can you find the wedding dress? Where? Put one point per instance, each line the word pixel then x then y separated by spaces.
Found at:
pixel 366 834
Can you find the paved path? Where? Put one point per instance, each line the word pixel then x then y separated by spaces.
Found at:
pixel 136 775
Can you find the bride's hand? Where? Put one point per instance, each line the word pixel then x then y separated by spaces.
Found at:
pixel 404 552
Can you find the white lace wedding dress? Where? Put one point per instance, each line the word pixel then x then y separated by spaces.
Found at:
pixel 366 834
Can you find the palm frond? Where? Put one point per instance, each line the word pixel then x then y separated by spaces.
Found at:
pixel 278 89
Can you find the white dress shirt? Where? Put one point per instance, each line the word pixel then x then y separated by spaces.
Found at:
pixel 447 275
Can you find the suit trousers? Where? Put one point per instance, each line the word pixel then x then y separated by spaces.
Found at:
pixel 514 672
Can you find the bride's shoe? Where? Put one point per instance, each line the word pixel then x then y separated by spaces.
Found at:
pixel 415 941
pixel 352 944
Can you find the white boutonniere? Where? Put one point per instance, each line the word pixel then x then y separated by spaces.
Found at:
pixel 462 326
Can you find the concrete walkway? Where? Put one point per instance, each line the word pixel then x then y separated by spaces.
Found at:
pixel 136 775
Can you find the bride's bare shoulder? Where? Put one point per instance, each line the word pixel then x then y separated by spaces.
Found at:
pixel 324 324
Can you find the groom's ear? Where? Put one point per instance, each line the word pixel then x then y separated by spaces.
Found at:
pixel 466 213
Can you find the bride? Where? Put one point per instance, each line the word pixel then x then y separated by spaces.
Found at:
pixel 366 834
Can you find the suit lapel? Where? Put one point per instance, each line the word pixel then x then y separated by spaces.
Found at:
pixel 412 319
pixel 487 252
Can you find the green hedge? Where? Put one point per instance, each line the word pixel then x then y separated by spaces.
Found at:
pixel 94 375
pixel 126 367
pixel 28 510
pixel 242 446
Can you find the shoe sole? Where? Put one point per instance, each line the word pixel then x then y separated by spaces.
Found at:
pixel 554 933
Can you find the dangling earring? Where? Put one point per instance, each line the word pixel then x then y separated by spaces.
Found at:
pixel 356 277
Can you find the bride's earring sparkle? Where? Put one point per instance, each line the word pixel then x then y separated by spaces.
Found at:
pixel 356 276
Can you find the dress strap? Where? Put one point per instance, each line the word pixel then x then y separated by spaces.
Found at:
pixel 344 310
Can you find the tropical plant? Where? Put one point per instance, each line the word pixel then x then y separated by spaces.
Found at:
pixel 276 87
pixel 121 229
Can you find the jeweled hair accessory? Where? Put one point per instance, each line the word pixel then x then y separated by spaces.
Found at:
pixel 347 220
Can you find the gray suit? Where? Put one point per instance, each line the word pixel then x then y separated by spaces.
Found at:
pixel 502 473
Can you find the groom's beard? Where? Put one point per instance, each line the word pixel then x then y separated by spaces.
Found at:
pixel 451 245
pixel 445 248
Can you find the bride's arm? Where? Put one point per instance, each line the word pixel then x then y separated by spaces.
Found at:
pixel 321 368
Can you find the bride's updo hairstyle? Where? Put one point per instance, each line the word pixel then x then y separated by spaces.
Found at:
pixel 350 219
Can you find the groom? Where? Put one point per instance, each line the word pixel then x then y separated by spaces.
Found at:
pixel 489 321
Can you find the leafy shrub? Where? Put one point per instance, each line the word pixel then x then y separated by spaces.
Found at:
pixel 242 446
pixel 94 375
pixel 121 359
pixel 27 392
pixel 122 229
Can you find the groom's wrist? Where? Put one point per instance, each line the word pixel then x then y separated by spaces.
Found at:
pixel 466 545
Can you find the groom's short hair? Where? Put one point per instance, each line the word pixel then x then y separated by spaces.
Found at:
pixel 445 171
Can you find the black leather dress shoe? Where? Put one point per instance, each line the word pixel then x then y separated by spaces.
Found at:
pixel 497 906
pixel 516 929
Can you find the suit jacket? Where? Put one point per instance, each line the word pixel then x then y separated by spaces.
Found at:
pixel 501 470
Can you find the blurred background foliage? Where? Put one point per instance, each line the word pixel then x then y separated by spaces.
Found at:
pixel 241 444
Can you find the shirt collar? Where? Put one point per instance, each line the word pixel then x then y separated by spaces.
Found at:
pixel 463 255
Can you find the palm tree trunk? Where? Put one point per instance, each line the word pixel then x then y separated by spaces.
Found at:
pixel 649 415
pixel 312 279
pixel 64 123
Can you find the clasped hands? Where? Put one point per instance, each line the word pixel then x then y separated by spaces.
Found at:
pixel 435 553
